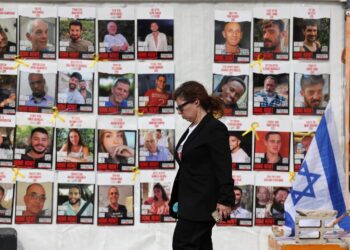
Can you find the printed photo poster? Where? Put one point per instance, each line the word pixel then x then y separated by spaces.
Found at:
pixel 34 197
pixel 271 89
pixel 8 31
pixel 7 134
pixel 75 197
pixel 8 87
pixel 272 149
pixel 156 84
pixel 271 192
pixel 240 145
pixel 303 134
pixel 7 188
pixel 34 141
pixel 311 88
pixel 155 33
pixel 243 191
pixel 232 36
pixel 75 142
pixel 75 88
pixel 116 33
pixel 311 33
pixel 115 199
pixel 155 188
pixel 271 33
pixel 231 84
pixel 117 136
pixel 156 142
pixel 37 31
pixel 76 32
pixel 37 87
pixel 116 88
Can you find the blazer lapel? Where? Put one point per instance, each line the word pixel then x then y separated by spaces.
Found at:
pixel 194 133
pixel 177 158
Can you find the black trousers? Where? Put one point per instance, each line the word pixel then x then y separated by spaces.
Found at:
pixel 192 235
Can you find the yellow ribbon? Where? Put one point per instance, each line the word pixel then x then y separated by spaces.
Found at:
pixel 258 62
pixel 291 176
pixel 19 61
pixel 252 129
pixel 136 171
pixel 56 115
pixel 16 173
pixel 138 112
pixel 96 60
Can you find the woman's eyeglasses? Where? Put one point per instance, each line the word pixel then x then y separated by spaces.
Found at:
pixel 181 106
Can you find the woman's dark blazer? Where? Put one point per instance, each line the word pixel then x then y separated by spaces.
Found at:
pixel 204 177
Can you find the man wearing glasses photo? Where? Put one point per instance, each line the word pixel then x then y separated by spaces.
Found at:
pixel 34 200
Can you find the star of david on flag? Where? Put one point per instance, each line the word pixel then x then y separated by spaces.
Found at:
pixel 320 183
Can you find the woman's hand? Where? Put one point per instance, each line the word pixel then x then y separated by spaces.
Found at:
pixel 223 210
pixel 124 151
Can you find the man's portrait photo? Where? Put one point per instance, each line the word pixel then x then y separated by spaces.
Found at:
pixel 243 207
pixel 34 144
pixel 38 34
pixel 271 91
pixel 232 38
pixel 76 88
pixel 77 35
pixel 311 38
pixel 155 39
pixel 37 90
pixel 240 146
pixel 311 91
pixel 233 91
pixel 115 91
pixel 271 37
pixel 76 200
pixel 155 90
pixel 116 35
pixel 8 37
pixel 34 200
pixel 156 145
pixel 115 201
pixel 272 149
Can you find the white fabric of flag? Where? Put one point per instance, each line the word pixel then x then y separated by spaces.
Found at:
pixel 320 183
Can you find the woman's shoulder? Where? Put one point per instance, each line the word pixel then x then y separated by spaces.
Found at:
pixel 215 123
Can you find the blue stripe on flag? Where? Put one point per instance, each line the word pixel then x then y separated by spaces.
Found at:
pixel 289 222
pixel 331 173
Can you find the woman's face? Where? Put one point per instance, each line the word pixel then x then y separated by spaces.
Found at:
pixel 74 138
pixel 187 110
pixel 231 92
pixel 158 193
pixel 112 139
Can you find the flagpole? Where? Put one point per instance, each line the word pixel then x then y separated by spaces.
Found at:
pixel 347 101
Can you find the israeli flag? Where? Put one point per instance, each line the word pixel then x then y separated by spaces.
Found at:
pixel 320 183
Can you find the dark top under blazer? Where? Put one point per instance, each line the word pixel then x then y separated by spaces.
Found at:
pixel 205 174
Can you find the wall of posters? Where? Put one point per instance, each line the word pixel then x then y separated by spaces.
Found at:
pixel 91 102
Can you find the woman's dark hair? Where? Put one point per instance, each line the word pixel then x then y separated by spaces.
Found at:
pixel 68 140
pixel 164 195
pixel 192 90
